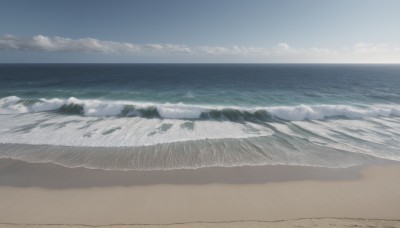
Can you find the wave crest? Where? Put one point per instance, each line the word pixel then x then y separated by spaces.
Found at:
pixel 103 108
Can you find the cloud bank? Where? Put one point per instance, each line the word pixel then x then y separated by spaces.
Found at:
pixel 282 52
pixel 90 45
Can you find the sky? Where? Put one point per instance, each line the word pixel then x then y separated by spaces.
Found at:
pixel 206 31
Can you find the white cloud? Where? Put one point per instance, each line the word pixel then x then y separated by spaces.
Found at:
pixel 370 48
pixel 372 52
pixel 235 50
pixel 61 44
pixel 283 49
pixel 359 53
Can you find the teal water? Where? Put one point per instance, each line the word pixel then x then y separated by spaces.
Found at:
pixel 242 85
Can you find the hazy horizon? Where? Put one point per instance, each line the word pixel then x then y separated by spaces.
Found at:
pixel 179 31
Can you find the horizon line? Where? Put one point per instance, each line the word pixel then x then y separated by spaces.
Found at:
pixel 281 63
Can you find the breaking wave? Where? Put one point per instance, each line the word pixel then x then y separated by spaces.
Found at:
pixel 103 108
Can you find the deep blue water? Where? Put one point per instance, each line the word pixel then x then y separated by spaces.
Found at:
pixel 223 84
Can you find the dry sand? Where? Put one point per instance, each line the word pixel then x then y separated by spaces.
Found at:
pixel 265 196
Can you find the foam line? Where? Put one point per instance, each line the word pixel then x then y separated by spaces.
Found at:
pixel 104 108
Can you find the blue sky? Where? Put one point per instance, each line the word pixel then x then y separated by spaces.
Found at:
pixel 200 31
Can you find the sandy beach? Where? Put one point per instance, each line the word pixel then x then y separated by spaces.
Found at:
pixel 266 196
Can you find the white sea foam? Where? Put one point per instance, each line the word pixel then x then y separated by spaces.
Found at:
pixel 103 108
pixel 181 139
pixel 141 143
pixel 180 111
pixel 69 130
pixel 318 112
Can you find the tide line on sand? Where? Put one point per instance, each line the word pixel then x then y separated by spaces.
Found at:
pixel 50 194
pixel 315 222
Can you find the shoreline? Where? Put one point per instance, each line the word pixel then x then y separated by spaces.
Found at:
pixel 323 222
pixel 17 173
pixel 276 196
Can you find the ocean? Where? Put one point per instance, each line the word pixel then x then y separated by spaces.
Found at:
pixel 186 116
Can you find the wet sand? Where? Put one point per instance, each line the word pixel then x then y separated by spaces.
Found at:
pixel 264 196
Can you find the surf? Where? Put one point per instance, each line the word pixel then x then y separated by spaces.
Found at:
pixel 108 108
